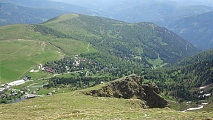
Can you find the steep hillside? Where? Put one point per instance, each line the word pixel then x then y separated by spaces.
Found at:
pixel 13 14
pixel 146 41
pixel 184 81
pixel 197 29
pixel 200 57
pixel 131 88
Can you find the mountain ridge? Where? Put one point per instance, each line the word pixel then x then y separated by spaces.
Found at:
pixel 196 29
pixel 13 14
pixel 105 29
pixel 141 45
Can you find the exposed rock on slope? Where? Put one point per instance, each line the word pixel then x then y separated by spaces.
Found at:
pixel 131 87
pixel 153 100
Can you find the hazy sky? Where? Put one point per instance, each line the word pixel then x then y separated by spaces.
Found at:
pixel 194 2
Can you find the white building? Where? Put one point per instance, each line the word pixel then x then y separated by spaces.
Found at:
pixel 17 82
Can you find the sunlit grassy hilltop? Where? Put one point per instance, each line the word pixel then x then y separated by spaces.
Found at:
pixel 22 49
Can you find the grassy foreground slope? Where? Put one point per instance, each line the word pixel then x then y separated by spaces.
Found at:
pixel 76 105
pixel 22 49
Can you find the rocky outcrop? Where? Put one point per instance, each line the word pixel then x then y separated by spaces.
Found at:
pixel 131 87
pixel 153 100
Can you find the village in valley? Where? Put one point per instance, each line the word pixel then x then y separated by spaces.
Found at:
pixel 9 92
pixel 77 65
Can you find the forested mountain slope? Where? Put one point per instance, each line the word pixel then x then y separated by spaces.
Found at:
pixel 184 80
pixel 114 44
pixel 206 55
pixel 197 29
pixel 145 41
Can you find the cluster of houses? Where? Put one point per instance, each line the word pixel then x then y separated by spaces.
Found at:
pixel 7 86
pixel 26 92
pixel 78 61
pixel 13 92
pixel 48 69
pixel 40 67
pixel 17 82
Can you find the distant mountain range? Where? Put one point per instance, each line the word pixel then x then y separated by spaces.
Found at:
pixel 13 14
pixel 36 11
pixel 160 13
pixel 168 14
pixel 197 29
pixel 47 4
pixel 163 13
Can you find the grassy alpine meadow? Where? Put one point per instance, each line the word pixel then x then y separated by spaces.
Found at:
pixel 20 56
pixel 73 47
pixel 22 49
pixel 76 105
pixel 21 31
pixel 156 63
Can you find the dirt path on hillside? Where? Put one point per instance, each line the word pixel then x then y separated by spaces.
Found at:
pixel 88 47
pixel 43 45
pixel 11 54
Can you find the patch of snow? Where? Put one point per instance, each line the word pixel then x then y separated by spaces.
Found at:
pixel 203 87
pixel 189 102
pixel 197 108
pixel 207 95
pixel 201 92
pixel 204 103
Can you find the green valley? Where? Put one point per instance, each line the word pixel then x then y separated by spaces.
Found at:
pixel 66 59
pixel 72 35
